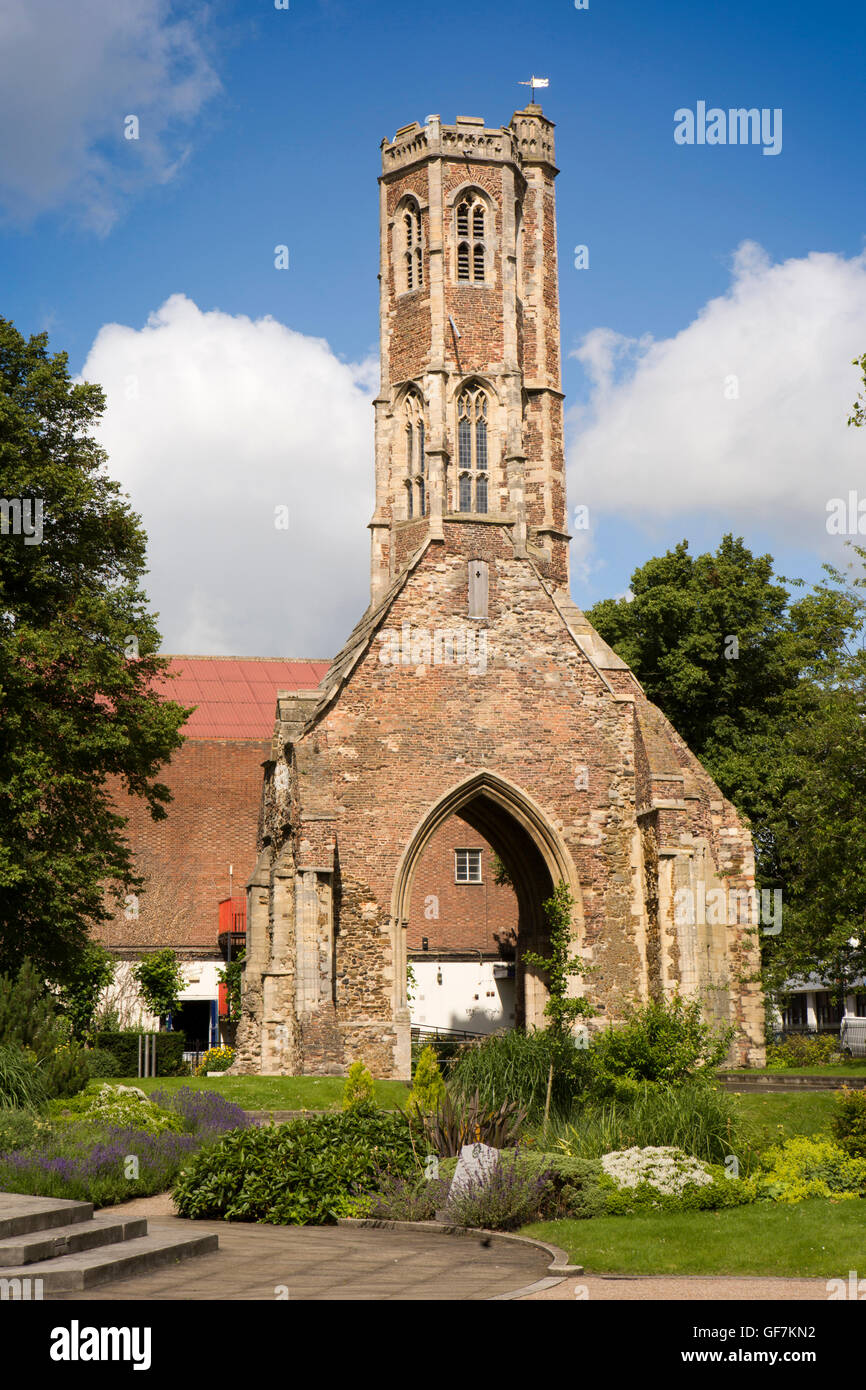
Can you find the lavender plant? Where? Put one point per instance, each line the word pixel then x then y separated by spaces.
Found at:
pixel 506 1196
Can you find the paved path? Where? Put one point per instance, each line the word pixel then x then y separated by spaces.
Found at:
pixel 342 1262
pixel 326 1262
pixel 615 1288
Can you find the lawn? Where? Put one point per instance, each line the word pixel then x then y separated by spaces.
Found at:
pixel 274 1092
pixel 819 1237
pixel 775 1117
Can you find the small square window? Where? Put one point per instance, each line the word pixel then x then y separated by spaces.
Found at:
pixel 467 866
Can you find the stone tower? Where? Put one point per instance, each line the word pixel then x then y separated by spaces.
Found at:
pixel 469 412
pixel 473 684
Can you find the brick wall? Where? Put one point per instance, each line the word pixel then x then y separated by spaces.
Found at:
pixel 211 823
pixel 466 917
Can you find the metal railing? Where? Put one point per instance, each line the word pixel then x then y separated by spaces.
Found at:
pixel 427 1030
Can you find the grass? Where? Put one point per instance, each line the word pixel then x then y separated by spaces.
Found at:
pixel 819 1238
pixel 272 1092
pixel 704 1120
pixel 773 1118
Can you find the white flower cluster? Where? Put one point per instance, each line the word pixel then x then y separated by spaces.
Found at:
pixel 667 1169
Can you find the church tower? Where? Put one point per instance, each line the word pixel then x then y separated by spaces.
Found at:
pixel 469 411
pixel 472 686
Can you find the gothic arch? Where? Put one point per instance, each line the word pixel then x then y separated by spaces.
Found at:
pixel 407 244
pixel 473 245
pixel 523 837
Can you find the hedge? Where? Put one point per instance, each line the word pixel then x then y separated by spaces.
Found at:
pixel 124 1046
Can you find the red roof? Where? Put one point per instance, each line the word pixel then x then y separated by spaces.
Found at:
pixel 236 696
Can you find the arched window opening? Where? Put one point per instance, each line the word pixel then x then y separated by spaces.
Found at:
pixel 416 470
pixel 472 460
pixel 413 256
pixel 471 245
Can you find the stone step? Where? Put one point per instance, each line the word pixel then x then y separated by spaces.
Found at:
pixel 37 1246
pixel 20 1215
pixel 68 1273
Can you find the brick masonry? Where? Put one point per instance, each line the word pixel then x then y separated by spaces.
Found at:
pixel 212 822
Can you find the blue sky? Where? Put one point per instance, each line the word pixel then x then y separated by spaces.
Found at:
pixel 261 126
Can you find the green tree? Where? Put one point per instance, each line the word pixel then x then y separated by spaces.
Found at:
pixel 428 1088
pixel 160 980
pixel 31 1022
pixel 776 718
pixel 359 1089
pixel 79 706
pixel 80 994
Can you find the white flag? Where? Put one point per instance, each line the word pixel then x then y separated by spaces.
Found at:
pixel 540 82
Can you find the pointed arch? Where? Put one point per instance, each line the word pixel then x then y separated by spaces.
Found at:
pixel 521 834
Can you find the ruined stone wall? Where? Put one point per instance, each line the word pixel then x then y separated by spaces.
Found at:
pixel 400 737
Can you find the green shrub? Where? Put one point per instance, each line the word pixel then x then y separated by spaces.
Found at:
pixel 722 1192
pixel 413 1198
pixel 428 1088
pixel 22 1084
pixel 359 1088
pixel 19 1128
pixel 169 1052
pixel 806 1050
pixel 116 1106
pixel 507 1196
pixel 848 1123
pixel 101 1062
pixel 573 1184
pixel 306 1172
pixel 65 1069
pixel 664 1040
pixel 809 1167
pixel 517 1066
pixel 30 1019
pixel 664 1178
pixel 697 1117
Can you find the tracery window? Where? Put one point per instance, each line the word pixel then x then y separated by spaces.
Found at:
pixel 413 255
pixel 471 222
pixel 472 462
pixel 416 466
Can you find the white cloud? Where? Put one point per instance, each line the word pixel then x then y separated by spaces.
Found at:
pixel 213 421
pixel 70 74
pixel 742 415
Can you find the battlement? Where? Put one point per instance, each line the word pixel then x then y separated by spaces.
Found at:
pixel 528 139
